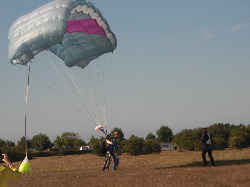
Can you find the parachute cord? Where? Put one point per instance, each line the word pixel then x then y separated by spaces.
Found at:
pixel 94 96
pixel 27 97
pixel 75 86
pixel 104 107
pixel 107 107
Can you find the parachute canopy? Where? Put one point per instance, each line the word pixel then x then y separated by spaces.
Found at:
pixel 74 30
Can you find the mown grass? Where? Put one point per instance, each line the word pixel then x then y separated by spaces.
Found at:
pixel 169 168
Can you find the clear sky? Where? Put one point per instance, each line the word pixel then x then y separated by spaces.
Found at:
pixel 179 63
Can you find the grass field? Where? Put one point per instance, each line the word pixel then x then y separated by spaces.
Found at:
pixel 169 168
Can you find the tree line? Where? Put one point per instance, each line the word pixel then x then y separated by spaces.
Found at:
pixel 70 141
pixel 224 135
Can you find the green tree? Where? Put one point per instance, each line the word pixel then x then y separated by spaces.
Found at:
pixel 188 139
pixel 221 133
pixel 69 141
pixel 2 143
pixel 239 137
pixel 150 136
pixel 41 142
pixel 165 134
pixel 58 143
pixel 97 145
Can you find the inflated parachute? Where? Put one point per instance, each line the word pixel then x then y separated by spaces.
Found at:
pixel 74 30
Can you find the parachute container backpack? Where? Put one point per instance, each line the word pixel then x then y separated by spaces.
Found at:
pixel 73 30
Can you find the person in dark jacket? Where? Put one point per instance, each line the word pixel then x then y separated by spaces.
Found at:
pixel 207 146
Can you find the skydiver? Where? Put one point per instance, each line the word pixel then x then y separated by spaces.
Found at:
pixel 112 147
pixel 110 144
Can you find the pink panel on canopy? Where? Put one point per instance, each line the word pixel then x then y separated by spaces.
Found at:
pixel 88 26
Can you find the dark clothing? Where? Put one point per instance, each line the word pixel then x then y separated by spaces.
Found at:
pixel 208 150
pixel 206 147
pixel 112 148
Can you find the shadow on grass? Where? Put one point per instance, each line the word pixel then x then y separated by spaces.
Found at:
pixel 217 163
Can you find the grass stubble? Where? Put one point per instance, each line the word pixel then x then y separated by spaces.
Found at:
pixel 169 168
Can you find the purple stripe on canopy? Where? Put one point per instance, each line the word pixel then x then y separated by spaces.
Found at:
pixel 88 26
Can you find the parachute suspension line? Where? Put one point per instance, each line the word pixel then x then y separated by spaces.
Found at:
pixel 75 86
pixel 56 70
pixel 103 108
pixel 78 91
pixel 93 93
pixel 27 99
pixel 109 106
pixel 107 112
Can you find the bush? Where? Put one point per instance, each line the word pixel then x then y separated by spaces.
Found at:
pixel 147 148
pixel 150 136
pixel 220 133
pixel 135 145
pixel 17 156
pixel 152 146
pixel 188 139
pixel 97 145
pixel 237 142
pixel 69 141
pixel 156 147
pixel 239 137
pixel 124 146
pixel 219 143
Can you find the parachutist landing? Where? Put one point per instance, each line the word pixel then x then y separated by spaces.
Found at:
pixel 112 148
pixel 110 144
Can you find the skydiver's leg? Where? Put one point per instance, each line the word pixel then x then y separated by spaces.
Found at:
pixel 116 160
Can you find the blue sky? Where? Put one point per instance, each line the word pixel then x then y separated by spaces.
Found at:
pixel 181 63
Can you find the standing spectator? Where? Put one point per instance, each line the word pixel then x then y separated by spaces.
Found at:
pixel 207 146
